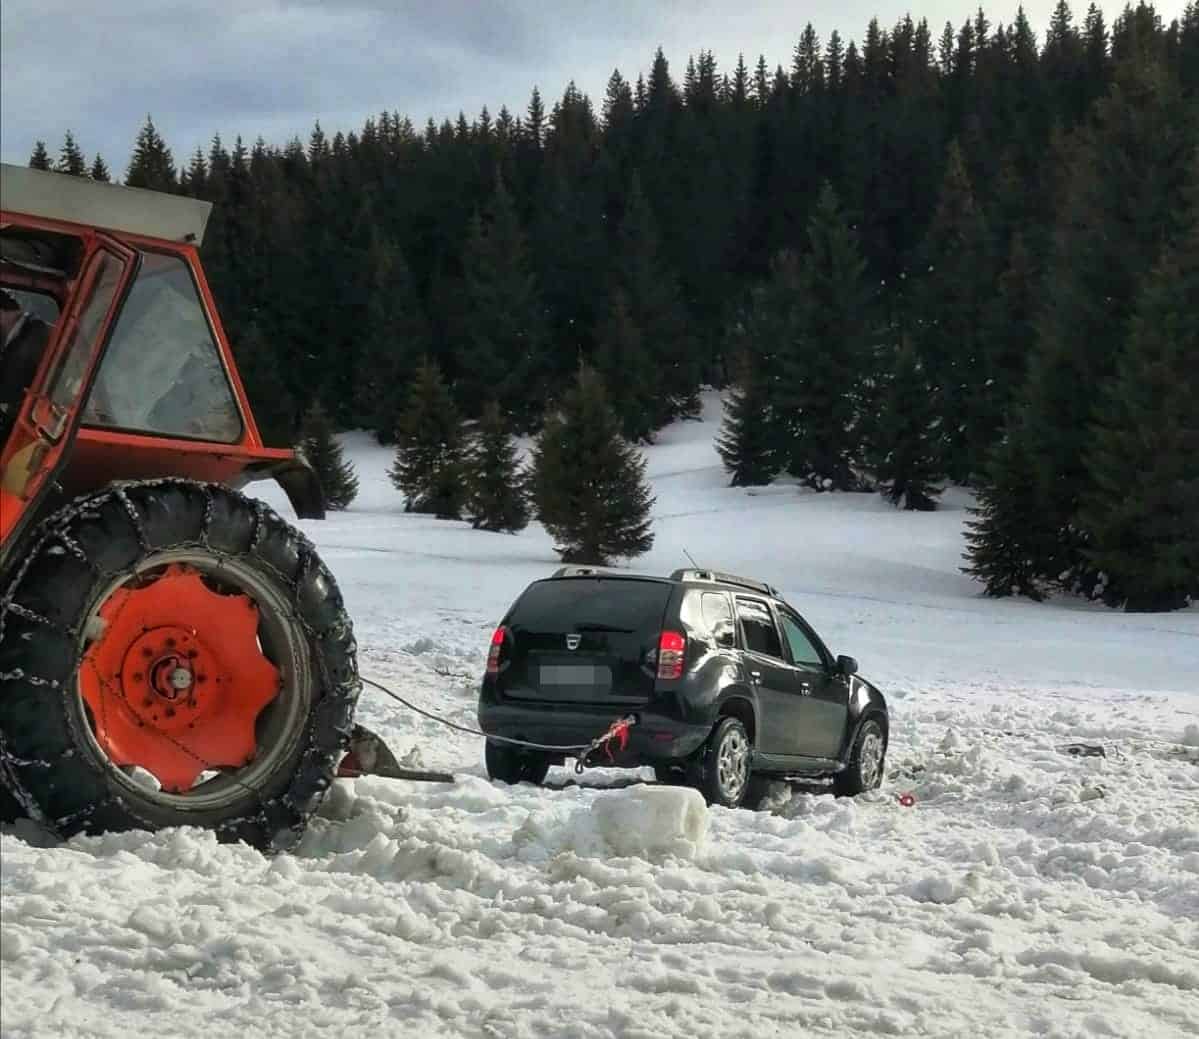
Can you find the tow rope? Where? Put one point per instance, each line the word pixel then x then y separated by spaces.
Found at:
pixel 618 731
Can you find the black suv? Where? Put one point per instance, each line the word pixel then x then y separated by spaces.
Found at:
pixel 725 679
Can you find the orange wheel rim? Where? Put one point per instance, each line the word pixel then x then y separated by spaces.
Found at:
pixel 176 678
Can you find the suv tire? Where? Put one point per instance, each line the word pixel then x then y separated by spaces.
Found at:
pixel 671 775
pixel 867 761
pixel 725 768
pixel 512 765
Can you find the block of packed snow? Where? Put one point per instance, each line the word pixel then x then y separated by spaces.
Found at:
pixel 652 820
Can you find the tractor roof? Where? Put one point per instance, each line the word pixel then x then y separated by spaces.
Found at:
pixel 78 200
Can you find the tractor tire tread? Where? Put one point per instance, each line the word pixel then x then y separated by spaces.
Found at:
pixel 87 543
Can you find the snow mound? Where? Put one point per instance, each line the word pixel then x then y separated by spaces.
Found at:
pixel 643 822
pixel 1190 736
pixel 651 820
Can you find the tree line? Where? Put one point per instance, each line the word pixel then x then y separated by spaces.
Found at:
pixel 920 258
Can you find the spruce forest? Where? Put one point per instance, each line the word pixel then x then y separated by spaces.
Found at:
pixel 915 257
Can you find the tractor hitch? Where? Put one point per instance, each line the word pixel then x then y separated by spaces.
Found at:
pixel 369 756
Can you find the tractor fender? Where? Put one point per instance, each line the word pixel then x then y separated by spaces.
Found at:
pixel 298 480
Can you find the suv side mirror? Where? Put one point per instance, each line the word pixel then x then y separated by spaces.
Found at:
pixel 847 665
pixel 725 635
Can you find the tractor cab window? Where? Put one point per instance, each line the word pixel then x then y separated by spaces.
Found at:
pixel 162 373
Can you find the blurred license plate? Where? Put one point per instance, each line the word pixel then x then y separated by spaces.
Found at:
pixel 575 674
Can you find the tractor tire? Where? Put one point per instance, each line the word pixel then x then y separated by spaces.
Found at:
pixel 173 653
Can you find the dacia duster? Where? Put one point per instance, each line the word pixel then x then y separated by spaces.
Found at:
pixel 726 680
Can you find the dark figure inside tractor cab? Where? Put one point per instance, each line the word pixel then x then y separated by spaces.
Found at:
pixel 23 338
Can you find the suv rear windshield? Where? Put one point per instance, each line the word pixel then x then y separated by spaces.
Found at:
pixel 591 604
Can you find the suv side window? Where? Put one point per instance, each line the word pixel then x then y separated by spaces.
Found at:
pixel 717 613
pixel 802 650
pixel 761 636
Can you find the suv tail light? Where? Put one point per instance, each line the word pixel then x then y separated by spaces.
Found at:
pixel 672 648
pixel 497 647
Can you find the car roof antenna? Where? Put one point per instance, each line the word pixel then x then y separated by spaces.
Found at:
pixel 693 562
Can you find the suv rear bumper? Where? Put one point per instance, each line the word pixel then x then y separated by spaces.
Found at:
pixel 655 739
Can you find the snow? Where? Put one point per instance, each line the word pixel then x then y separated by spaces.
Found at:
pixel 1026 891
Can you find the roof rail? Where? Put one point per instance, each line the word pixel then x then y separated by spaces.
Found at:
pixel 584 571
pixel 720 577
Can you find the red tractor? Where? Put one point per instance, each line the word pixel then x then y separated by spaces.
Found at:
pixel 171 651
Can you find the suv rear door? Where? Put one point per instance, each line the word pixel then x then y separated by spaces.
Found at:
pixel 772 676
pixel 584 640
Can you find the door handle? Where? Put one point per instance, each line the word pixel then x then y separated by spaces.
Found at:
pixel 805 689
pixel 755 677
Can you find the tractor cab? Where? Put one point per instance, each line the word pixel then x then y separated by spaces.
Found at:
pixel 114 364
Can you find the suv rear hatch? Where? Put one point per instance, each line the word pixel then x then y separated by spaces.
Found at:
pixel 584 640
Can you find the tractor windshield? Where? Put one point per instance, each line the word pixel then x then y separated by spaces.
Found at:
pixel 162 373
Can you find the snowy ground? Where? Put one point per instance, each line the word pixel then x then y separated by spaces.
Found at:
pixel 1027 892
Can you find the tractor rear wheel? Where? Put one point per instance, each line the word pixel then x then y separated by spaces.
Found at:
pixel 174 654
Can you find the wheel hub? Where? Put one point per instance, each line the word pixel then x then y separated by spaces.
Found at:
pixel 176 678
pixel 164 664
pixel 871 758
pixel 733 763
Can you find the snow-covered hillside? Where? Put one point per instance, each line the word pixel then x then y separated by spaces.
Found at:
pixel 1026 892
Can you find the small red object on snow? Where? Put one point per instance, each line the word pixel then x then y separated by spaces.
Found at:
pixel 907 800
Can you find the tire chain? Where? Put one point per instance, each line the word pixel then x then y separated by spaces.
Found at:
pixel 55 528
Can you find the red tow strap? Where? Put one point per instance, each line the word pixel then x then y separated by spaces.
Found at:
pixel 619 731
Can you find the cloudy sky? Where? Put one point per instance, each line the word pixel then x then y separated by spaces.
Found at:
pixel 273 67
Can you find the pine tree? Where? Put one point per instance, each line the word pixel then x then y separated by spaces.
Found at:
pixel 99 171
pixel 504 340
pixel 272 405
pixel 1126 173
pixel 601 510
pixel 950 300
pixel 748 441
pixel 1141 516
pixel 152 165
pixel 71 160
pixel 762 334
pixel 194 180
pixel 1009 337
pixel 430 454
pixel 906 436
pixel 497 496
pixel 40 159
pixel 395 337
pixel 654 307
pixel 1003 536
pixel 622 359
pixel 322 451
pixel 824 358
